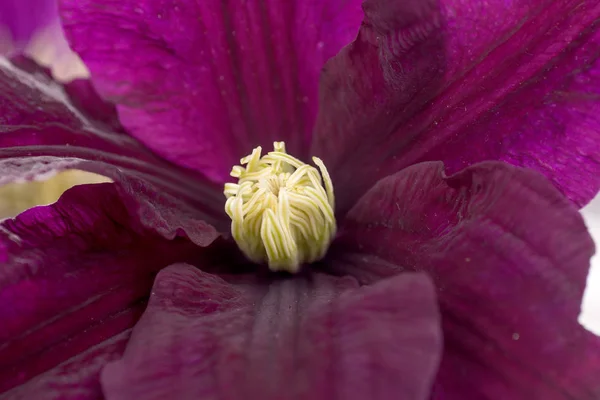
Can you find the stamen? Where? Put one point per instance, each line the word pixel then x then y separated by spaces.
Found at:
pixel 281 209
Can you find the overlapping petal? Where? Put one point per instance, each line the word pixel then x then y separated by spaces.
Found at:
pixel 203 82
pixel 38 112
pixel 509 257
pixel 76 273
pixel 75 379
pixel 206 81
pixel 47 127
pixel 308 337
pixel 464 82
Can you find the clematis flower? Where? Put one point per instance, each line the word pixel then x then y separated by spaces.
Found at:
pixel 458 137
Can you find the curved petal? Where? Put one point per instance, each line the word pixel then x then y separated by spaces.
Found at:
pixel 42 130
pixel 73 275
pixel 306 337
pixel 519 83
pixel 203 82
pixel 163 213
pixel 509 256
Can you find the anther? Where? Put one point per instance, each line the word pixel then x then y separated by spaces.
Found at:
pixel 281 209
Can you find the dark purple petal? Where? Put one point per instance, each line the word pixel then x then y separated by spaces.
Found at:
pixel 202 83
pixel 307 337
pixel 75 379
pixel 165 214
pixel 515 81
pixel 84 96
pixel 23 18
pixel 76 273
pixel 43 130
pixel 79 93
pixel 509 256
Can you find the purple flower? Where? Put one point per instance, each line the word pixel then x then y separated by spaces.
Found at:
pixel 438 239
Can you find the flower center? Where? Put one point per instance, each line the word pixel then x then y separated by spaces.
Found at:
pixel 281 209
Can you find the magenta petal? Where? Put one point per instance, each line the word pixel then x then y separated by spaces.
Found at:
pixel 85 97
pixel 74 274
pixel 509 256
pixel 202 83
pixel 42 130
pixel 80 94
pixel 519 84
pixel 308 337
pixel 23 18
pixel 77 378
pixel 379 82
pixel 37 112
pixel 164 214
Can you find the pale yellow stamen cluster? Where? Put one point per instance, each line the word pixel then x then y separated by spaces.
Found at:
pixel 281 209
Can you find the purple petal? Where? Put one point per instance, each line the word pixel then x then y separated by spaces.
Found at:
pixel 464 82
pixel 43 130
pixel 308 337
pixel 165 214
pixel 509 256
pixel 75 379
pixel 23 18
pixel 75 274
pixel 79 93
pixel 202 83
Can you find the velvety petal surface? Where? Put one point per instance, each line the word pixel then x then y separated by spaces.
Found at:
pixel 509 257
pixel 74 275
pixel 45 127
pixel 76 378
pixel 305 337
pixel 464 82
pixel 204 82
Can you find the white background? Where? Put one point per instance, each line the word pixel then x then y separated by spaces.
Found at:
pixel 590 316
